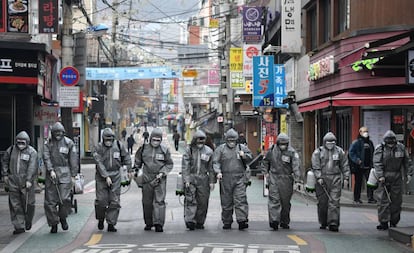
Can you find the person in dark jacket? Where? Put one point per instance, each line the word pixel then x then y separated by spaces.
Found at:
pixel 131 142
pixel 361 153
pixel 176 137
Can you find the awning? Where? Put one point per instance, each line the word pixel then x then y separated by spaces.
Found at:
pixel 354 98
pixel 315 104
pixel 366 98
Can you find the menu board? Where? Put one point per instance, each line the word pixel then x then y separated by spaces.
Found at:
pixel 377 122
pixel 17 16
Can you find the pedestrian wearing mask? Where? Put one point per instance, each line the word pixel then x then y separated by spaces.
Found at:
pixel 281 165
pixel 19 167
pixel 199 180
pixel 391 163
pixel 361 153
pixel 61 162
pixel 155 160
pixel 110 155
pixel 330 166
pixel 229 163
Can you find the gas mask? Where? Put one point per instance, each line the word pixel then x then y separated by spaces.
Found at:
pixel 330 145
pixel 365 134
pixel 21 144
pixel 283 146
pixel 108 142
pixel 231 143
pixel 58 135
pixel 200 143
pixel 390 142
pixel 155 142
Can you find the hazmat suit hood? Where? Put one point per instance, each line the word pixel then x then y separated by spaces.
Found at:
pixel 58 127
pixel 107 133
pixel 231 134
pixel 156 133
pixel 329 137
pixel 282 138
pixel 199 134
pixel 389 135
pixel 23 135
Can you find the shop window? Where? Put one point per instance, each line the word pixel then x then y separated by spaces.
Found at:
pixel 312 31
pixel 344 128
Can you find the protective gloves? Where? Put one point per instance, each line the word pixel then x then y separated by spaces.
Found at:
pixel 187 184
pixel 381 179
pixel 130 175
pixel 320 181
pixel 53 174
pixel 212 187
pixel 73 180
pixel 28 184
pixel 219 176
pixel 160 175
pixel 109 181
pixel 346 182
pixel 6 180
pixel 408 179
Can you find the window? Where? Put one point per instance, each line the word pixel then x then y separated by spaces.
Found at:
pixel 343 15
pixel 312 31
pixel 326 10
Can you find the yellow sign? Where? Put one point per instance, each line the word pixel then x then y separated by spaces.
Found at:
pixel 236 59
pixel 214 23
pixel 249 86
pixel 283 124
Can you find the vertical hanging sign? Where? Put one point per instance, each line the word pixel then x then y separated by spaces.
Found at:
pixel 48 16
pixel 280 86
pixel 290 26
pixel 263 80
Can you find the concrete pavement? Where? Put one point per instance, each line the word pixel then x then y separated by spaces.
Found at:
pixel 39 234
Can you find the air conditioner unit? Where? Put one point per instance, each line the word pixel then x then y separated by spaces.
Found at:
pixel 195 21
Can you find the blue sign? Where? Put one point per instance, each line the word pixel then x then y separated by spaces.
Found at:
pixel 129 73
pixel 280 86
pixel 69 76
pixel 263 80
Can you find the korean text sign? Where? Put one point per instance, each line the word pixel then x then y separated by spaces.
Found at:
pixel 280 86
pixel 263 80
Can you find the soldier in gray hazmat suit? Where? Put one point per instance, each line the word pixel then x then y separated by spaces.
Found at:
pixel 156 163
pixel 19 167
pixel 281 165
pixel 330 166
pixel 110 155
pixel 391 163
pixel 229 163
pixel 198 179
pixel 62 164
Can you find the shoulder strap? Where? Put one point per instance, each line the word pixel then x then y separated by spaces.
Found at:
pixel 119 147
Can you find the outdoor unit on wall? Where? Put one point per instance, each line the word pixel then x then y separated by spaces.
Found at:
pixel 195 21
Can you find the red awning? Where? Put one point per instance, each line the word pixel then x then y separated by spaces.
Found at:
pixel 352 98
pixel 315 104
pixel 364 99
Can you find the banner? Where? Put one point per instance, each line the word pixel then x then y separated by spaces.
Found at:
pixel 236 59
pixel 129 73
pixel 263 80
pixel 17 16
pixel 250 50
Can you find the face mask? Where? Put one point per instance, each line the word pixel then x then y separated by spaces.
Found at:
pixel 21 145
pixel 231 144
pixel 200 145
pixel 365 134
pixel 283 147
pixel 330 145
pixel 108 143
pixel 155 143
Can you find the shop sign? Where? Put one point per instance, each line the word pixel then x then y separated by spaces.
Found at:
pixel 236 59
pixel 291 40
pixel 252 24
pixel 237 80
pixel 280 86
pixel 410 69
pixel 321 68
pixel 250 50
pixel 18 67
pixel 45 115
pixel 367 64
pixel 48 16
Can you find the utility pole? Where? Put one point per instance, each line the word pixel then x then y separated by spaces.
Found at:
pixel 67 58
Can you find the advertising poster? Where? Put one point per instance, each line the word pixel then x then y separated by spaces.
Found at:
pixel 18 16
